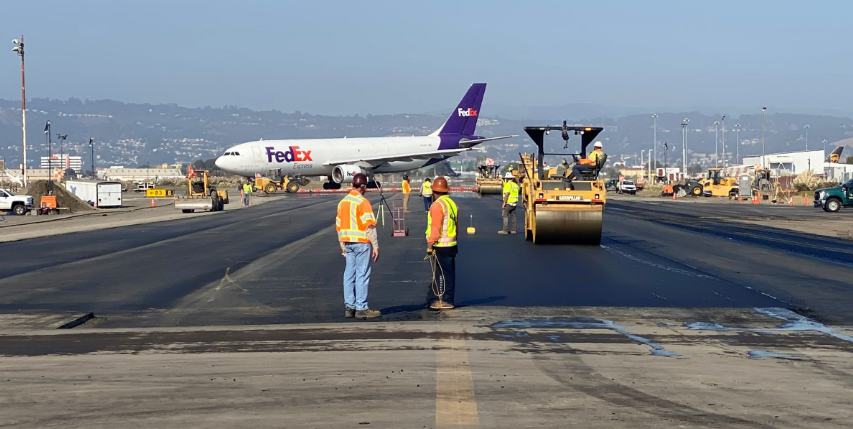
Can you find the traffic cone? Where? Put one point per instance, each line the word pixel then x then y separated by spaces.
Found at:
pixel 153 203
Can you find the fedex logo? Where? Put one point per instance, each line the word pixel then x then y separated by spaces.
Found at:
pixel 464 113
pixel 293 154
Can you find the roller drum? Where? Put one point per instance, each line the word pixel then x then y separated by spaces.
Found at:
pixel 568 224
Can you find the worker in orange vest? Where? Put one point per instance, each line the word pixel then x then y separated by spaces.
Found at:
pixel 407 189
pixel 356 227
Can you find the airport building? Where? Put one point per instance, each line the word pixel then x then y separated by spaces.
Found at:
pixel 122 174
pixel 795 163
pixel 789 163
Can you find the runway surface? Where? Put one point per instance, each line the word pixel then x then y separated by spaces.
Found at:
pixel 279 263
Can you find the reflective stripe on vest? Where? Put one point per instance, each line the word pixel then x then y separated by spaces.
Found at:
pixel 511 188
pixel 351 227
pixel 426 189
pixel 448 224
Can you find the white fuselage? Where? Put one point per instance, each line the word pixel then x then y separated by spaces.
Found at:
pixel 318 157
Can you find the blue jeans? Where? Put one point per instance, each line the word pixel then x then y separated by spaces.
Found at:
pixel 357 275
pixel 427 202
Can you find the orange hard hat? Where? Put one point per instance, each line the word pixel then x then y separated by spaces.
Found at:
pixel 440 185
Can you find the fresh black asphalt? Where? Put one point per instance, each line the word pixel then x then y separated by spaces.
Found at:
pixel 279 263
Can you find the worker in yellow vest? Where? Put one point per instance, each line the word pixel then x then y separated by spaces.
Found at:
pixel 247 193
pixel 510 201
pixel 426 192
pixel 442 222
pixel 407 189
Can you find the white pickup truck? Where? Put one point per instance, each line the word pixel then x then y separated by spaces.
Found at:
pixel 18 204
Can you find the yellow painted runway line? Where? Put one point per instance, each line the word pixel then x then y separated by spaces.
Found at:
pixel 455 406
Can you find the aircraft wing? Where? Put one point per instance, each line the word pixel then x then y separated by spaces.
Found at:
pixel 375 162
pixel 472 142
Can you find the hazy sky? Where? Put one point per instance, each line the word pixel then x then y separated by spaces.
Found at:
pixel 420 56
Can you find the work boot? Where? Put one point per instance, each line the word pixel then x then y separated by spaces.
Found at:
pixel 367 313
pixel 435 305
pixel 502 232
pixel 513 232
pixel 447 305
pixel 349 313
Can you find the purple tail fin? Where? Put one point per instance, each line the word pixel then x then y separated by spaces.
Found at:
pixel 463 119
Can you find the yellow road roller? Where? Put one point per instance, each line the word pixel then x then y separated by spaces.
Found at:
pixel 560 209
pixel 489 180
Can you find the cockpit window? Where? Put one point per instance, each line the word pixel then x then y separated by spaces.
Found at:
pixel 231 154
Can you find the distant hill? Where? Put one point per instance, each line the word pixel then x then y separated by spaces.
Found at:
pixel 141 134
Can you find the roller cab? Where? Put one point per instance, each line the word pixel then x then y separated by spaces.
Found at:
pixel 557 209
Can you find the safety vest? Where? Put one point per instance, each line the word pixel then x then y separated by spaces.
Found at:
pixel 511 188
pixel 426 189
pixel 247 188
pixel 406 187
pixel 355 215
pixel 448 224
pixel 592 158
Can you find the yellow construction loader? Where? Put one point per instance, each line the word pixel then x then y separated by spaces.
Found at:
pixel 559 209
pixel 715 185
pixel 276 182
pixel 201 195
pixel 489 180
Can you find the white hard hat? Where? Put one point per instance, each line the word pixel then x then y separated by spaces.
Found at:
pixel 508 175
pixel 597 144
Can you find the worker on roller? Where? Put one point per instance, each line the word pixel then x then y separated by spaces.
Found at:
pixel 356 228
pixel 406 187
pixel 442 222
pixel 426 193
pixel 510 201
pixel 588 163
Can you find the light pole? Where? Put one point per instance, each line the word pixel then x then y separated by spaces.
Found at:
pixel 716 143
pixel 654 142
pixel 806 129
pixel 49 158
pixel 737 143
pixel 665 174
pixel 92 149
pixel 824 148
pixel 763 132
pixel 684 123
pixel 61 138
pixel 18 47
pixel 723 122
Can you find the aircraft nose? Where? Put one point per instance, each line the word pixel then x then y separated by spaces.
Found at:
pixel 220 162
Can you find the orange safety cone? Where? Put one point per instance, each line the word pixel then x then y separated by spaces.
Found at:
pixel 153 203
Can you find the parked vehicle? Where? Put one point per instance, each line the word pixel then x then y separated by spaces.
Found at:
pixel 833 199
pixel 142 187
pixel 612 185
pixel 17 204
pixel 628 187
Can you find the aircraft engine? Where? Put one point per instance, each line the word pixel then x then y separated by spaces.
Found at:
pixel 344 173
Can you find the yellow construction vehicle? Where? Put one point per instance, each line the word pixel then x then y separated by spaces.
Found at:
pixel 201 195
pixel 558 209
pixel 715 185
pixel 489 180
pixel 276 182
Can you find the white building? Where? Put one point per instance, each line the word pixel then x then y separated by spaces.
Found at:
pixel 789 163
pixel 62 162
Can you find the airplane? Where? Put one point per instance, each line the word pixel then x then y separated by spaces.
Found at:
pixel 341 158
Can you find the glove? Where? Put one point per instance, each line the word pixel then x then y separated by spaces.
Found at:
pixel 430 251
